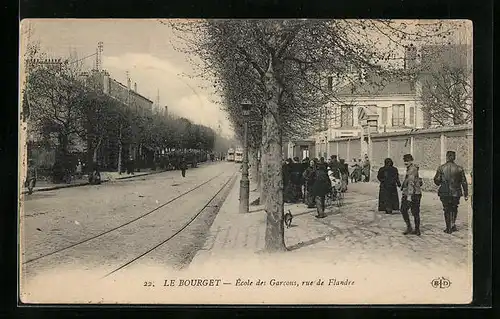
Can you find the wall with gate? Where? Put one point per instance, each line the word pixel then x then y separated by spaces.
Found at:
pixel 428 147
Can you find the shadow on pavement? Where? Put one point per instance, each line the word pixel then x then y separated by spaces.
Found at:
pixel 307 243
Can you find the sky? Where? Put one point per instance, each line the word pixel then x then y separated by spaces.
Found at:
pixel 146 50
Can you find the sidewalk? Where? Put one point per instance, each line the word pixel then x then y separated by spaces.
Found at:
pixel 356 231
pixel 42 186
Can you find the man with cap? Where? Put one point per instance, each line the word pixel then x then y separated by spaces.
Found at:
pixel 411 195
pixel 451 179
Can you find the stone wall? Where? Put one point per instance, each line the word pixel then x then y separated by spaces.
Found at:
pixel 428 147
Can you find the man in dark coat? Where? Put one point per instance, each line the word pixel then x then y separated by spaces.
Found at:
pixel 388 176
pixel 183 166
pixel 366 169
pixel 335 166
pixel 296 179
pixel 287 185
pixel 411 195
pixel 322 186
pixel 451 179
pixel 309 179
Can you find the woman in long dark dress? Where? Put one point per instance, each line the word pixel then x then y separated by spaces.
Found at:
pixel 388 199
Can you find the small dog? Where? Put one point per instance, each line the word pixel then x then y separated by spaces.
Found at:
pixel 288 219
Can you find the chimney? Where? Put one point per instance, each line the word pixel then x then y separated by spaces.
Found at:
pixel 410 59
pixel 128 83
pixel 135 86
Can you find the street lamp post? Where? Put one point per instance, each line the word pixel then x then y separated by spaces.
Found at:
pixel 245 182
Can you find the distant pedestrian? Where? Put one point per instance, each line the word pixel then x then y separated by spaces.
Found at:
pixel 451 180
pixel 356 172
pixel 334 166
pixel 309 178
pixel 296 180
pixel 344 174
pixel 79 169
pixel 183 166
pixel 388 199
pixel 31 176
pixel 366 169
pixel 322 186
pixel 411 195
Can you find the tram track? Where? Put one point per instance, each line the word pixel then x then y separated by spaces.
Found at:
pixel 182 228
pixel 114 229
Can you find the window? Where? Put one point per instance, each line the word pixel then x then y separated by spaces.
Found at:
pixel 346 116
pixel 398 115
pixel 384 116
pixel 412 115
pixel 330 83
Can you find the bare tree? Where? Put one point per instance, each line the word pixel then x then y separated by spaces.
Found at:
pixel 447 85
pixel 288 61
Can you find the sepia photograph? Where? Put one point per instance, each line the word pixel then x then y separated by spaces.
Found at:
pixel 245 161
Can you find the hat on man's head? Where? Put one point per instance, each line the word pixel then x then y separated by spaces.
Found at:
pixel 333 156
pixel 450 153
pixel 407 157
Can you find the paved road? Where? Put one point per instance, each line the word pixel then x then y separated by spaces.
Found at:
pixel 57 219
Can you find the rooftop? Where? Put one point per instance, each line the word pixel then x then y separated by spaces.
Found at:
pixel 378 86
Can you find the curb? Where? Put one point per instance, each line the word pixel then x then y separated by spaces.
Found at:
pixel 50 188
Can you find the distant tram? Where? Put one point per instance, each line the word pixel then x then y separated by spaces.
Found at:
pixel 230 155
pixel 238 155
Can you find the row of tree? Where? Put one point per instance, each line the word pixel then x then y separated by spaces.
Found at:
pixel 65 108
pixel 282 66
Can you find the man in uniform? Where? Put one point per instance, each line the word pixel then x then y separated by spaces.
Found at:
pixel 451 179
pixel 411 195
pixel 183 166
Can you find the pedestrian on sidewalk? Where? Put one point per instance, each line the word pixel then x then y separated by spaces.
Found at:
pixel 296 180
pixel 366 169
pixel 451 179
pixel 322 186
pixel 356 172
pixel 287 185
pixel 411 195
pixel 388 198
pixel 309 175
pixel 183 166
pixel 344 174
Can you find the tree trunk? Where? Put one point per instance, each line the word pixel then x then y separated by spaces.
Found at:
pixel 262 175
pixel 272 142
pixel 96 150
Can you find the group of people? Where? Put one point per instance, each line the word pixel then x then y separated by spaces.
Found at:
pixel 361 170
pixel 450 178
pixel 310 181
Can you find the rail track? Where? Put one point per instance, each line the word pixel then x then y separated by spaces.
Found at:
pixel 29 261
pixel 191 220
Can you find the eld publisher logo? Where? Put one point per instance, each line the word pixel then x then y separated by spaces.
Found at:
pixel 441 282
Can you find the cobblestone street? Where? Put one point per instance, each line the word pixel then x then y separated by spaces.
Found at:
pixel 357 226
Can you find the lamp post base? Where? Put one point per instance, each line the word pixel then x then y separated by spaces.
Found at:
pixel 244 195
